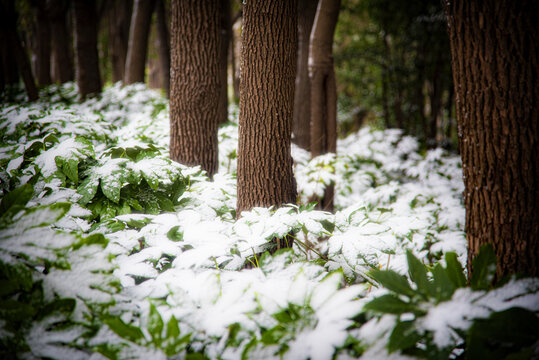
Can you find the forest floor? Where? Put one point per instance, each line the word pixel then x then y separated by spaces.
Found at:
pixel 108 249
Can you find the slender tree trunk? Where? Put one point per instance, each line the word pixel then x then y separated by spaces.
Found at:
pixel 268 72
pixel 226 34
pixel 61 44
pixel 137 51
pixel 195 83
pixel 42 63
pixel 323 87
pixel 302 97
pixel 119 19
pixel 8 24
pixel 233 62
pixel 85 29
pixel 164 45
pixel 494 48
pixel 10 74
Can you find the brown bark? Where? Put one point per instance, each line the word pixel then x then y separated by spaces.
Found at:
pixel 137 50
pixel 8 24
pixel 323 87
pixel 85 30
pixel 61 44
pixel 42 48
pixel 226 34
pixel 119 19
pixel 268 72
pixel 195 83
pixel 495 71
pixel 163 45
pixel 302 97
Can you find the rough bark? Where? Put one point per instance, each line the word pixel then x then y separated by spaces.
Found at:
pixel 61 44
pixel 195 83
pixel 137 50
pixel 119 19
pixel 163 39
pixel 8 24
pixel 323 87
pixel 494 48
pixel 42 46
pixel 268 72
pixel 226 33
pixel 85 34
pixel 302 97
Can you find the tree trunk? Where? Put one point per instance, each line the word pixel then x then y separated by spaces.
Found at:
pixel 268 72
pixel 85 29
pixel 302 97
pixel 137 51
pixel 61 44
pixel 232 58
pixel 323 87
pixel 195 83
pixel 119 19
pixel 42 59
pixel 226 33
pixel 164 45
pixel 8 24
pixel 10 74
pixel 494 48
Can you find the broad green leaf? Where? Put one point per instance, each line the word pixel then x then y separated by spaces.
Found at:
pixel 71 169
pixel 123 330
pixel 483 268
pixel 390 304
pixel 173 329
pixel 418 274
pixel 64 305
pixel 155 325
pixel 15 200
pixel 403 336
pixel 454 270
pixel 174 234
pixel 88 189
pixel 392 281
pixel 442 284
pixel 13 310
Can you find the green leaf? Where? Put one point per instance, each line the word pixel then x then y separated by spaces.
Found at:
pixel 15 200
pixel 195 356
pixel 328 226
pixel 403 336
pixel 454 270
pixel 174 234
pixel 96 238
pixel 390 304
pixel 442 284
pixel 64 305
pixel 155 325
pixel 71 169
pixel 483 268
pixel 173 329
pixel 418 274
pixel 392 281
pixel 126 331
pixel 13 310
pixel 88 189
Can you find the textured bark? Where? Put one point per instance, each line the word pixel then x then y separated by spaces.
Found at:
pixel 226 33
pixel 119 19
pixel 42 58
pixel 302 97
pixel 268 72
pixel 8 24
pixel 137 51
pixel 195 83
pixel 494 48
pixel 163 39
pixel 323 87
pixel 85 30
pixel 61 44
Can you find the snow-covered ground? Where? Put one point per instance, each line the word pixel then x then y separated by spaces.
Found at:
pixel 108 249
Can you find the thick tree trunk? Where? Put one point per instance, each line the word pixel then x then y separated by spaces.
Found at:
pixel 85 29
pixel 137 51
pixel 302 97
pixel 8 24
pixel 494 48
pixel 195 83
pixel 119 19
pixel 42 49
pixel 226 34
pixel 323 87
pixel 268 72
pixel 10 74
pixel 164 45
pixel 61 44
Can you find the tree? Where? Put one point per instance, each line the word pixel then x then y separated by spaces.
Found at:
pixel 226 33
pixel 61 45
pixel 164 44
pixel 268 72
pixel 494 48
pixel 139 31
pixel 323 88
pixel 85 30
pixel 195 83
pixel 119 18
pixel 42 53
pixel 301 123
pixel 8 25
